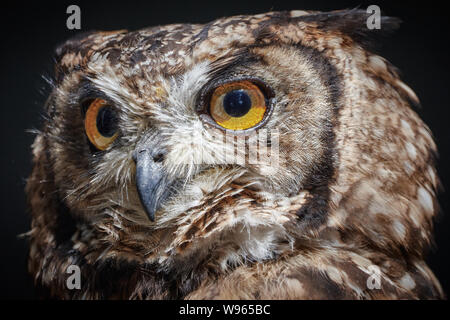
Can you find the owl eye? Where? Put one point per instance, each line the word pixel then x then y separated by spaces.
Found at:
pixel 238 105
pixel 100 124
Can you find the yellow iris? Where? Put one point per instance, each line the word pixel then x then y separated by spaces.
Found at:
pixel 99 124
pixel 238 105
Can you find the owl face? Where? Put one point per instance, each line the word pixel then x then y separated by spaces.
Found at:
pixel 235 142
pixel 160 125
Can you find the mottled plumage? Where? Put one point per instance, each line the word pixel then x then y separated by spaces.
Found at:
pixel 355 185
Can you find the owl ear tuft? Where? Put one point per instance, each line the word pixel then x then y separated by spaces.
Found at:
pixel 354 23
pixel 74 52
pixel 71 45
pixel 68 54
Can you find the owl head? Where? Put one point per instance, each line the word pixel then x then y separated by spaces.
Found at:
pixel 201 148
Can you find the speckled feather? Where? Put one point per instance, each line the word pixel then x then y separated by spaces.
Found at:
pixel 355 187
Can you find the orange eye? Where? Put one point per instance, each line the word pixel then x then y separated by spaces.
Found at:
pixel 238 105
pixel 100 124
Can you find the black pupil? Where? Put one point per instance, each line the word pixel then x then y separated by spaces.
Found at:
pixel 106 122
pixel 237 103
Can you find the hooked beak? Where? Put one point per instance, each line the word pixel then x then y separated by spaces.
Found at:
pixel 150 176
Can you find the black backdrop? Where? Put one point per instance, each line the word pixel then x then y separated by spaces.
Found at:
pixel 30 31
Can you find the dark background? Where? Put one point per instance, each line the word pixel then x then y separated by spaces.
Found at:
pixel 30 31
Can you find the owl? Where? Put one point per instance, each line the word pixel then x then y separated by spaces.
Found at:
pixel 269 156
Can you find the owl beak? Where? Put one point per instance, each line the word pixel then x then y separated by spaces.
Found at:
pixel 150 180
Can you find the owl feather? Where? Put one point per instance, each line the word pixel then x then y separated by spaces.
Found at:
pixel 353 191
